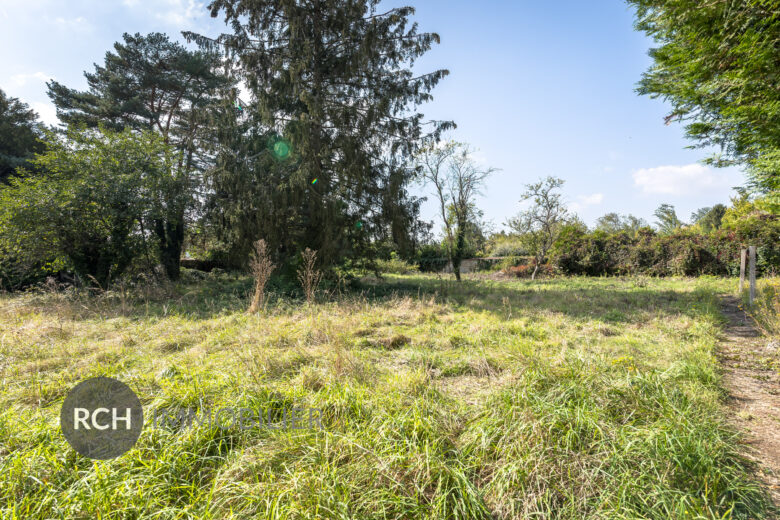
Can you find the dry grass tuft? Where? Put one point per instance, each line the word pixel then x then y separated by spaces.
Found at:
pixel 309 275
pixel 395 342
pixel 262 267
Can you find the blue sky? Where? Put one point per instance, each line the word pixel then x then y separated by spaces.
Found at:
pixel 538 88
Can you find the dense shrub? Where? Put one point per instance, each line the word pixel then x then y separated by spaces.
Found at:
pixel 396 265
pixel 594 254
pixel 507 246
pixel 503 264
pixel 431 258
pixel 19 270
pixel 526 270
pixel 684 253
pixel 94 208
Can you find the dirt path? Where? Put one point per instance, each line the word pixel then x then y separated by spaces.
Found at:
pixel 753 381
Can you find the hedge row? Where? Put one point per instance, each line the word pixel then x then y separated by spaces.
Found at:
pixel 683 253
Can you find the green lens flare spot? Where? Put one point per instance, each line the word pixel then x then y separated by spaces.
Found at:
pixel 281 149
pixel 359 225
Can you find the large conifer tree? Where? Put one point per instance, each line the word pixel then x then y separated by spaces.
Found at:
pixel 333 79
pixel 150 82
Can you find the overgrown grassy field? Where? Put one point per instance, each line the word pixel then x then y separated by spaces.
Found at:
pixel 562 398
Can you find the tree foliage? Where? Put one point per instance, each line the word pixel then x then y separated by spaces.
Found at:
pixel 710 218
pixel 151 83
pixel 667 219
pixel 717 64
pixel 753 225
pixel 331 86
pixel 613 223
pixel 95 207
pixel 456 179
pixel 20 134
pixel 540 225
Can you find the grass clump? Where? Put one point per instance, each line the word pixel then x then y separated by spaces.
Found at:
pixel 766 307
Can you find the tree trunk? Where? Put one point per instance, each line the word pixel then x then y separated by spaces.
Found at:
pixel 171 235
pixel 457 253
pixel 170 228
pixel 536 269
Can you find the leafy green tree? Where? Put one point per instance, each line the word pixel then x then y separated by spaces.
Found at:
pixel 709 219
pixel 614 223
pixel 334 80
pixel 477 231
pixel 609 223
pixel 764 172
pixel 667 219
pixel 152 83
pixel 540 225
pixel 753 224
pixel 20 134
pixel 456 179
pixel 94 207
pixel 716 63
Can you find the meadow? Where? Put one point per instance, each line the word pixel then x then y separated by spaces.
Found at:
pixel 561 398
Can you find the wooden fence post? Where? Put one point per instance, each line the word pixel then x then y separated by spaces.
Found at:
pixel 752 250
pixel 742 265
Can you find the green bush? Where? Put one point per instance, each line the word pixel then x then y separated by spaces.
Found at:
pixel 683 253
pixel 509 262
pixel 431 258
pixel 396 265
pixel 94 207
pixel 508 246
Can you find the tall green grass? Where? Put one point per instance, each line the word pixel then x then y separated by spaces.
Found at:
pixel 565 398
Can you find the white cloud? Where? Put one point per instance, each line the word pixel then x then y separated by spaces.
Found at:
pixel 587 200
pixel 180 12
pixel 78 24
pixel 174 12
pixel 21 80
pixel 47 112
pixel 592 200
pixel 679 180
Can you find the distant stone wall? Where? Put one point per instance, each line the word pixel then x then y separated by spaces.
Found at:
pixel 470 265
pixel 467 265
